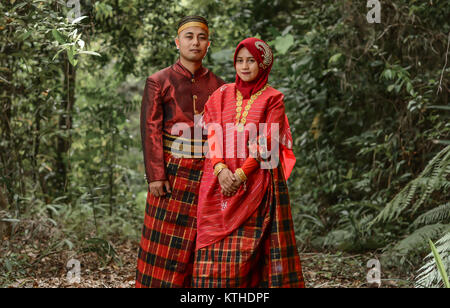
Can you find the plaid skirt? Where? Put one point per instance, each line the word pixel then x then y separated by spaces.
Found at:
pixel 166 251
pixel 260 253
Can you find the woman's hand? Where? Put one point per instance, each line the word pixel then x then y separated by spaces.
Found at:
pixel 236 184
pixel 226 181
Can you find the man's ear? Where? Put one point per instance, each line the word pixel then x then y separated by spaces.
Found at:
pixel 177 42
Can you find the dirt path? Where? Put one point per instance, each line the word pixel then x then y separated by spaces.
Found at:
pixel 102 270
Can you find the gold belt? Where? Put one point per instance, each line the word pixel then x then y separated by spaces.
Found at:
pixel 183 147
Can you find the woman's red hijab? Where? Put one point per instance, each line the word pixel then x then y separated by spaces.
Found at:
pixel 264 56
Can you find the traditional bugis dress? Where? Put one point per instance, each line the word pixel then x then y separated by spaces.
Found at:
pixel 247 240
pixel 172 105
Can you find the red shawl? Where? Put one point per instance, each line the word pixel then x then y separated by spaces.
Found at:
pixel 218 215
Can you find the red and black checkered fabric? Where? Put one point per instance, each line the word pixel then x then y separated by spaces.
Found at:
pixel 260 253
pixel 166 252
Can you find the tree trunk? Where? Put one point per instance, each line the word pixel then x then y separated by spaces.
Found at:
pixel 7 147
pixel 37 131
pixel 3 207
pixel 65 124
pixel 111 173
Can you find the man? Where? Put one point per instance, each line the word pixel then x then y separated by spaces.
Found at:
pixel 174 98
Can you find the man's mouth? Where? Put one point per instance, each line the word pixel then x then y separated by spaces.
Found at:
pixel 195 50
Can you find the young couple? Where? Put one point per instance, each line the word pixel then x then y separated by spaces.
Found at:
pixel 216 220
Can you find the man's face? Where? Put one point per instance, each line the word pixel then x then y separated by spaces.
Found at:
pixel 193 43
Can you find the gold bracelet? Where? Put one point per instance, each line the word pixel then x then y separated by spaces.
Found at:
pixel 241 174
pixel 219 167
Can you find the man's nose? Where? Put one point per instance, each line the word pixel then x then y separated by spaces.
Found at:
pixel 196 41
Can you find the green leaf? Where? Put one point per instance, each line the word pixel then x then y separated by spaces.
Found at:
pixel 287 29
pixel 18 6
pixel 9 220
pixel 335 58
pixel 90 53
pixel 440 265
pixel 444 142
pixel 77 20
pixel 409 87
pixel 387 74
pixel 349 174
pixel 59 51
pixel 304 60
pixel 81 43
pixel 223 55
pixel 8 265
pixel 24 36
pixel 70 55
pixel 439 107
pixel 283 43
pixel 59 37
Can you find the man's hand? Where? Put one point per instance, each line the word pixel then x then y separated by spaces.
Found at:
pixel 157 188
pixel 226 180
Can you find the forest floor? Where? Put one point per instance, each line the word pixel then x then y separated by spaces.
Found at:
pixel 100 269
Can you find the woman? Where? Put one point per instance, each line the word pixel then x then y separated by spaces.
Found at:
pixel 245 235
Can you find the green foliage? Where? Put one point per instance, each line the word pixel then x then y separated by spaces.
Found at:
pixel 432 223
pixel 433 178
pixel 417 240
pixel 40 50
pixel 435 215
pixel 440 265
pixel 358 139
pixel 103 248
pixel 434 272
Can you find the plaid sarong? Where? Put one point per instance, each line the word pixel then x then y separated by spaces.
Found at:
pixel 260 253
pixel 166 251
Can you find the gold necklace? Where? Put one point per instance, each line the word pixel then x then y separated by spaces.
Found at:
pixel 241 122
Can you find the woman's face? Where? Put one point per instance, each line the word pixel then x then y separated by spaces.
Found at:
pixel 246 65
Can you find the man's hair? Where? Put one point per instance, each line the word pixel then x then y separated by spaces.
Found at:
pixel 187 19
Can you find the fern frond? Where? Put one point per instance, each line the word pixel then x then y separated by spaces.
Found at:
pixel 436 180
pixel 435 215
pixel 428 274
pixel 419 238
pixel 432 178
